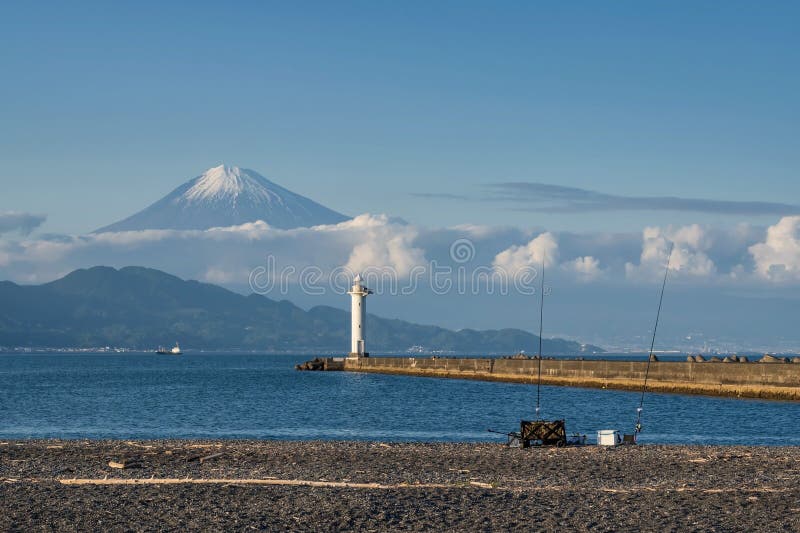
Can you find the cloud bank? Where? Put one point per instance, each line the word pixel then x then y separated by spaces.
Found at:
pixel 702 254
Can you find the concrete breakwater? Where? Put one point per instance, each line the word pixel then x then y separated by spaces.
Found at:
pixel 775 381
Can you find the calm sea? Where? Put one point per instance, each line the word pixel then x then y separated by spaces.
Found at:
pixel 147 396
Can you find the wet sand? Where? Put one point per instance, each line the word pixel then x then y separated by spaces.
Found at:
pixel 313 486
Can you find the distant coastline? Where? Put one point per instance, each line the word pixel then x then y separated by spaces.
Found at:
pixel 143 307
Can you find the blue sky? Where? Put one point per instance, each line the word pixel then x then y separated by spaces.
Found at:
pixel 490 121
pixel 359 105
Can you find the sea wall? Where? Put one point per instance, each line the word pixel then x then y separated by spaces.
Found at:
pixel 777 381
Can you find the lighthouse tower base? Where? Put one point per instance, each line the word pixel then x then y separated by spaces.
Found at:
pixel 356 355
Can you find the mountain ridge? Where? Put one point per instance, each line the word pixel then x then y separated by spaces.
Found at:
pixel 138 307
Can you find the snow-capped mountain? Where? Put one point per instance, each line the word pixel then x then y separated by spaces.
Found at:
pixel 227 196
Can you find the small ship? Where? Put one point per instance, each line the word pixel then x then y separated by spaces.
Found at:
pixel 166 351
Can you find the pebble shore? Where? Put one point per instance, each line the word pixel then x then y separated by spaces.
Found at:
pixel 370 486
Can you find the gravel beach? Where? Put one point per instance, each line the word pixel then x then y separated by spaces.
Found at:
pixel 313 486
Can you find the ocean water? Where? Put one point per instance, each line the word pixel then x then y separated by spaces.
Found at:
pixel 237 396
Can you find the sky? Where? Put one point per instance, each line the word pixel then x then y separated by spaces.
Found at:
pixel 105 108
pixel 592 135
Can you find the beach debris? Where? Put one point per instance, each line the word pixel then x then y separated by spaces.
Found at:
pixel 212 456
pixel 262 481
pixel 203 458
pixel 123 464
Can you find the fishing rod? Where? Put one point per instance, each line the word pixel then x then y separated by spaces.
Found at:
pixel 638 427
pixel 541 319
pixel 507 433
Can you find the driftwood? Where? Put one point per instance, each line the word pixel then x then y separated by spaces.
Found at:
pixel 203 458
pixel 212 456
pixel 125 463
pixel 272 481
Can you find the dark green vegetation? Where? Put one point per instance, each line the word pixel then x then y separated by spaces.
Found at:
pixel 138 307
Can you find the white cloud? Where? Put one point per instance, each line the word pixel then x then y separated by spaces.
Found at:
pixel 544 248
pixel 383 245
pixel 689 257
pixel 778 257
pixel 586 268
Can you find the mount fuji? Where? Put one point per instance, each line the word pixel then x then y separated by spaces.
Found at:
pixel 228 196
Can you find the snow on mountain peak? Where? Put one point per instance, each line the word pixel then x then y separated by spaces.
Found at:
pixel 223 182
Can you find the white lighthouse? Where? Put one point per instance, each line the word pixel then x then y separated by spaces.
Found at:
pixel 358 293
